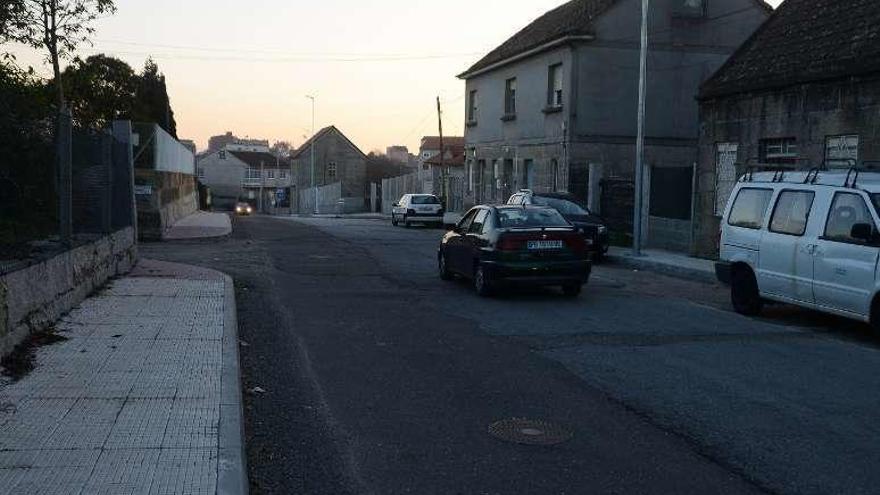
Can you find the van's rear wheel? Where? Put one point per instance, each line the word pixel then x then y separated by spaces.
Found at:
pixel 744 293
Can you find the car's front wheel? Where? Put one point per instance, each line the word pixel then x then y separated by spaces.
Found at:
pixel 482 283
pixel 393 220
pixel 405 222
pixel 443 268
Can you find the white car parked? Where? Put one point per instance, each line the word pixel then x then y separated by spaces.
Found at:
pixel 805 238
pixel 417 208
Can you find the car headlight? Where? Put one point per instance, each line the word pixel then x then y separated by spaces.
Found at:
pixel 603 230
pixel 249 209
pixel 238 209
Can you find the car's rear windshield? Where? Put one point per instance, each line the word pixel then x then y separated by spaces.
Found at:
pixel 425 200
pixel 511 218
pixel 562 205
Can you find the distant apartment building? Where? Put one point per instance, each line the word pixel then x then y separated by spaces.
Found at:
pixel 399 154
pixel 554 107
pixel 216 143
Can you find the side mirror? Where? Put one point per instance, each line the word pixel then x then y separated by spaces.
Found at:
pixel 863 232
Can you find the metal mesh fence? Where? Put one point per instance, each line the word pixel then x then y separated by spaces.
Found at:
pixel 59 186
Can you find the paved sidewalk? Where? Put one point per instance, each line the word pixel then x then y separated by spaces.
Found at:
pixel 142 398
pixel 200 224
pixel 666 262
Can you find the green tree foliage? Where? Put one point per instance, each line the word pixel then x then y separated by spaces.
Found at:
pixel 100 89
pixel 151 99
pixel 58 27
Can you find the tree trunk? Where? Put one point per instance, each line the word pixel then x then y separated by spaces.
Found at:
pixel 59 84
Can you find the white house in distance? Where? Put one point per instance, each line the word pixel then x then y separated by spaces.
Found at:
pixel 246 172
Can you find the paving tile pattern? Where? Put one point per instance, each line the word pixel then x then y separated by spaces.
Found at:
pixel 130 404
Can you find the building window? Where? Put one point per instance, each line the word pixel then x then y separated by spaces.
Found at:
pixel 782 151
pixel 472 106
pixel 270 174
pixel 201 172
pixel 331 170
pixel 529 173
pixel 282 173
pixel 252 173
pixel 510 97
pixel 554 167
pixel 554 86
pixel 222 154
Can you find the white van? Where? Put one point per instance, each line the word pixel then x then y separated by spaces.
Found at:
pixel 804 238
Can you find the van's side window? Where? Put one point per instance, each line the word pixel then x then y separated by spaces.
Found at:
pixel 750 207
pixel 847 209
pixel 791 212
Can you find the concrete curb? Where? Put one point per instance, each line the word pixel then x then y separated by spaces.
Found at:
pixel 677 271
pixel 231 463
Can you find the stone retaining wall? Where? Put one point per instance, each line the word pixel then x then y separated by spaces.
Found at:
pixel 32 298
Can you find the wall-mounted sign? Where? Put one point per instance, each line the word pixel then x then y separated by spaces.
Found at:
pixel 143 190
pixel 842 151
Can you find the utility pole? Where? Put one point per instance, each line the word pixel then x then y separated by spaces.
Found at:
pixel 640 137
pixel 262 184
pixel 444 187
pixel 312 150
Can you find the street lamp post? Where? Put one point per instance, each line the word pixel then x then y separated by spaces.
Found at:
pixel 640 137
pixel 314 184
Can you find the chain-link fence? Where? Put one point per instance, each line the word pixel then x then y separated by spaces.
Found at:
pixel 60 186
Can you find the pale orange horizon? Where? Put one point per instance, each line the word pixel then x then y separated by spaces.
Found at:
pixel 376 68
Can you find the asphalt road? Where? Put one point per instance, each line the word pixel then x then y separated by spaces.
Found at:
pixel 380 378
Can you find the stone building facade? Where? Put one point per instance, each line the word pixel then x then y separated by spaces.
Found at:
pixel 791 100
pixel 337 159
pixel 555 106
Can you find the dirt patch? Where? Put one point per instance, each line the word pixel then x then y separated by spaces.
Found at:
pixel 22 359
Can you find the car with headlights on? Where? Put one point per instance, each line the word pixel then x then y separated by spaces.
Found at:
pixel 244 209
pixel 521 245
pixel 592 226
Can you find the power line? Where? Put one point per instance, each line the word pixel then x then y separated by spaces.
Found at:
pixel 277 51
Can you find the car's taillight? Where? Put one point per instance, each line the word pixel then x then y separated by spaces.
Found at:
pixel 576 243
pixel 510 244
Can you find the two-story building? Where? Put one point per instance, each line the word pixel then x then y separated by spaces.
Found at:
pixel 554 108
pixel 336 160
pixel 257 177
pixel 429 170
pixel 803 93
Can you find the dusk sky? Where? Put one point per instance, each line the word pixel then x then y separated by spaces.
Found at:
pixel 375 67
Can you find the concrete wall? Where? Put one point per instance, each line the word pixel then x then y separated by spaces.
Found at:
pixel 172 197
pixel 34 297
pixel 329 197
pixel 809 113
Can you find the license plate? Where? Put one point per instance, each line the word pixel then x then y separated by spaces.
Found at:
pixel 540 245
pixel 426 209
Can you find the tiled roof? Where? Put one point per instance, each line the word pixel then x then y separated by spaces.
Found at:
pixel 319 135
pixel 254 158
pixel 804 41
pixel 454 157
pixel 433 142
pixel 574 18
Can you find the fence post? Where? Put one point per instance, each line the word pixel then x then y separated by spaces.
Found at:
pixel 64 155
pixel 122 132
pixel 107 163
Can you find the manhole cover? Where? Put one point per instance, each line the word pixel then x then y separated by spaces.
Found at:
pixel 529 431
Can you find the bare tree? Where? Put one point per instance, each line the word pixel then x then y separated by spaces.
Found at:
pixel 58 27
